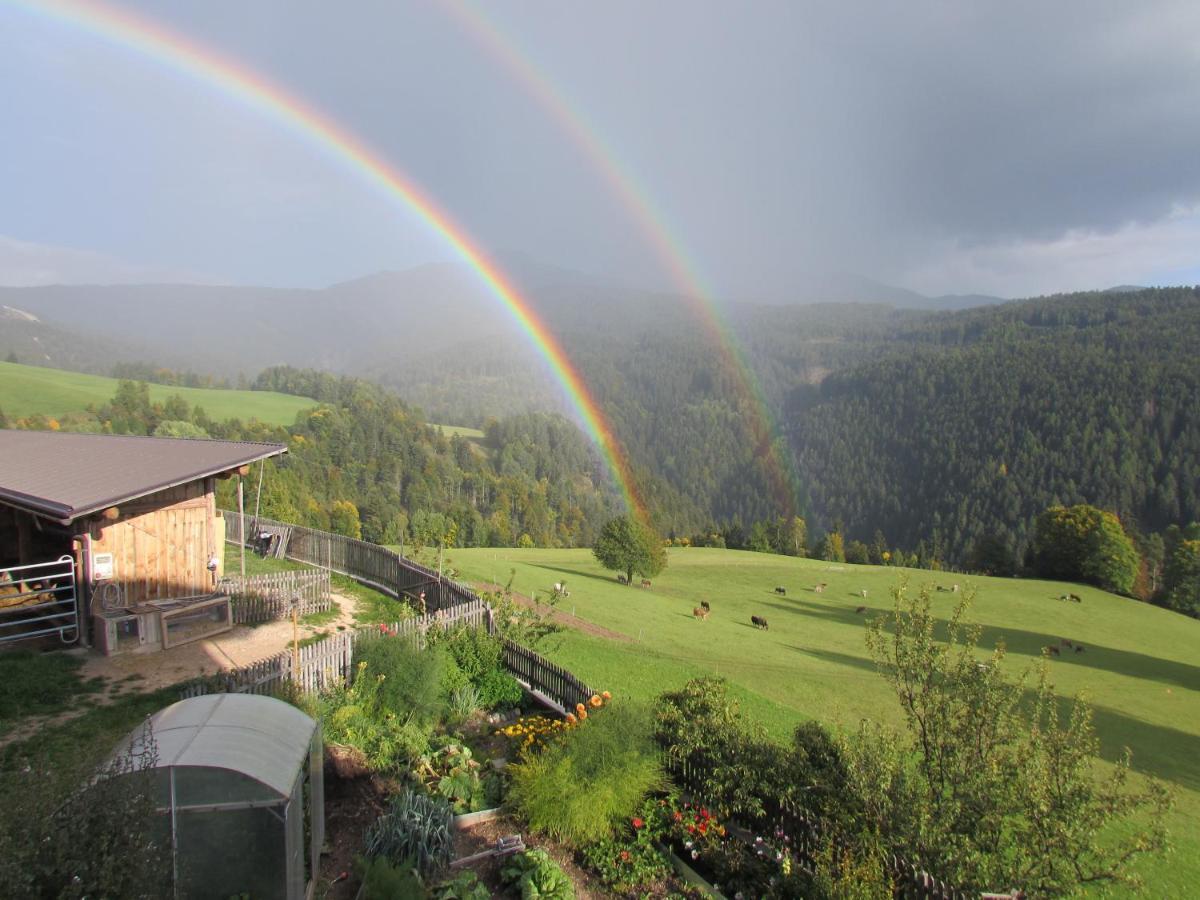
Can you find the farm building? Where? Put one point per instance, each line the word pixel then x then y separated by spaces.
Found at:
pixel 238 780
pixel 114 540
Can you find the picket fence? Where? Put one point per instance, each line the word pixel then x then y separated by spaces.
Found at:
pixel 553 684
pixel 265 598
pixel 369 563
pixel 330 661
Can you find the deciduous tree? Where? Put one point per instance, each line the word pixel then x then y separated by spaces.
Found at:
pixel 628 546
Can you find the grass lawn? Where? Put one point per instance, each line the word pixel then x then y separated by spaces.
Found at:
pixel 54 392
pixel 1139 670
pixel 474 434
pixel 33 683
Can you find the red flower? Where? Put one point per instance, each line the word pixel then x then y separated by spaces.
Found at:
pixel 637 823
pixel 691 829
pixel 624 856
pixel 703 827
pixel 704 813
pixel 678 816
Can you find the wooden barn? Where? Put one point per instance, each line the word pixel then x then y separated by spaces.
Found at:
pixel 114 540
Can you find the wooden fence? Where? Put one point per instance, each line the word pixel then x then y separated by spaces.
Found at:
pixel 329 662
pixel 265 598
pixel 552 684
pixel 369 563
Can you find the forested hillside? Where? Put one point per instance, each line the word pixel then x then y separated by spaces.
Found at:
pixel 980 420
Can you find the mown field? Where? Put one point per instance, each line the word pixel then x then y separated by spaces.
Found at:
pixel 1140 669
pixel 28 390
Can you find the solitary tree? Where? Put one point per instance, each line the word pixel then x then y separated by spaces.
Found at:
pixel 628 546
pixel 995 783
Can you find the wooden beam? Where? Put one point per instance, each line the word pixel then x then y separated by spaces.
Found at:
pixel 111 514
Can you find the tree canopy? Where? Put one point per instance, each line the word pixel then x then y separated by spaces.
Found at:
pixel 629 547
pixel 1082 543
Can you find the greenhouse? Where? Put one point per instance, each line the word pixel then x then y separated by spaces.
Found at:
pixel 239 780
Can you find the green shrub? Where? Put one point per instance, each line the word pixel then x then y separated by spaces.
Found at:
pixel 499 690
pixel 537 877
pixel 411 682
pixel 356 716
pixel 464 886
pixel 464 702
pixel 417 828
pixel 384 880
pixel 586 783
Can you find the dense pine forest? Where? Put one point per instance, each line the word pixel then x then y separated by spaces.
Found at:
pixel 981 419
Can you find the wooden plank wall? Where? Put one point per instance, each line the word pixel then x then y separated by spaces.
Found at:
pixel 161 544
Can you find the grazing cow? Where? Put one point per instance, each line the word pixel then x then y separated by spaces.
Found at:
pixel 621 579
pixel 781 590
pixel 819 588
pixel 700 612
pixel 1063 597
pixel 861 609
pixel 704 606
pixel 645 582
pixel 1075 598
pixel 1079 648
pixel 943 590
pixel 560 589
pixel 955 588
pixel 1065 642
pixel 1053 650
pixel 864 593
pixel 759 622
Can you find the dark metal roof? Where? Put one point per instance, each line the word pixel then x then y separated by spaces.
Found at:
pixel 63 476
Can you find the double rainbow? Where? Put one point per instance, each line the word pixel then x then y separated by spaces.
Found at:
pixel 205 65
pixel 764 433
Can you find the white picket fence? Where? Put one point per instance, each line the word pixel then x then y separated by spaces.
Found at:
pixel 330 661
pixel 265 598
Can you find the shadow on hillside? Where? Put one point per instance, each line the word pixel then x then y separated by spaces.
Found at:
pixel 1158 750
pixel 1021 642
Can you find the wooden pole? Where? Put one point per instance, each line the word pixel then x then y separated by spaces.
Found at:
pixel 295 639
pixel 242 519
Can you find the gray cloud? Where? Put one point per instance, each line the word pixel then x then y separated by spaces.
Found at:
pixel 1011 148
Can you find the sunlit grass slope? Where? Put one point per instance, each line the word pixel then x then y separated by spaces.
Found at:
pixel 1139 669
pixel 28 390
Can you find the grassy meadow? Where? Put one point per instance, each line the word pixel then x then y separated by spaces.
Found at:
pixel 28 390
pixel 1140 669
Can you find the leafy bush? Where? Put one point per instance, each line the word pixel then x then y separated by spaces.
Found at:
pixel 499 690
pixel 417 828
pixel 104 840
pixel 464 886
pixel 356 716
pixel 477 658
pixel 630 862
pixel 586 783
pixel 537 877
pixel 384 880
pixel 410 685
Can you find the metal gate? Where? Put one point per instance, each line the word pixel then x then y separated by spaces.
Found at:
pixel 39 599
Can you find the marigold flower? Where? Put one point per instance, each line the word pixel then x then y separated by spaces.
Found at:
pixel 571 718
pixel 583 714
pixel 580 708
pixel 596 701
pixel 606 695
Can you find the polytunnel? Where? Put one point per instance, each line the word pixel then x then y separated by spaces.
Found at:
pixel 239 781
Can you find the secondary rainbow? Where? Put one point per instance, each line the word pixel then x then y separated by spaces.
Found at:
pixel 652 222
pixel 251 88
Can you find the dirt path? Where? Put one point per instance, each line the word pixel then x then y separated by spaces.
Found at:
pixel 558 617
pixel 144 672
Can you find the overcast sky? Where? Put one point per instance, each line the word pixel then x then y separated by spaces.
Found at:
pixel 1016 149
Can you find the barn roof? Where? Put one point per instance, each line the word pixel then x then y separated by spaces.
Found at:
pixel 63 476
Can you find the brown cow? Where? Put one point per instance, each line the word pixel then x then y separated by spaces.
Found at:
pixel 699 612
pixel 819 588
pixel 645 582
pixel 1053 650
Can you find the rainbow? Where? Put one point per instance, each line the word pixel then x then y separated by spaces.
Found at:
pixel 778 464
pixel 189 58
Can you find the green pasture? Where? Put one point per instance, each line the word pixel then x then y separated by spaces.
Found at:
pixel 1140 668
pixel 28 390
pixel 473 434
